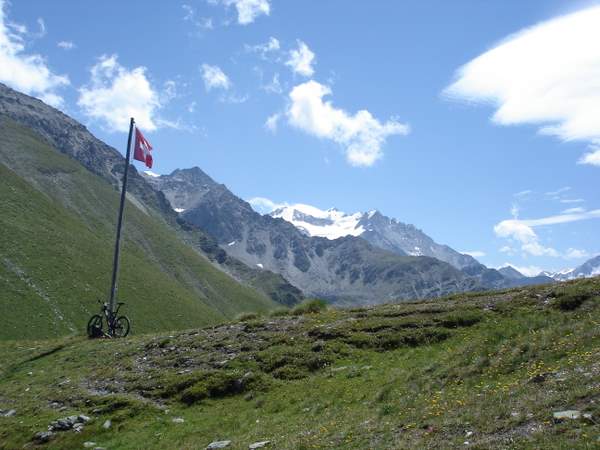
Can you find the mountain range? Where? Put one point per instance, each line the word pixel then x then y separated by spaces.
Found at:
pixel 213 254
pixel 590 268
pixel 361 258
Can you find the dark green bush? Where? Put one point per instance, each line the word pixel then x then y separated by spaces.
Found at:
pixel 570 302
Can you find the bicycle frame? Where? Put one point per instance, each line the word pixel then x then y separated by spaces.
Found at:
pixel 111 317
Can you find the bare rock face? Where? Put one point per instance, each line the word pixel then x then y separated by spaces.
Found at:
pixel 348 270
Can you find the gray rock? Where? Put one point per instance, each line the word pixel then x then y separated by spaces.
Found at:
pixel 43 436
pixel 89 444
pixel 83 418
pixel 9 413
pixel 106 425
pixel 260 444
pixel 570 414
pixel 218 444
pixel 178 420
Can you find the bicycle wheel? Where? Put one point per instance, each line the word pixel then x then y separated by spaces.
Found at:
pixel 94 327
pixel 122 327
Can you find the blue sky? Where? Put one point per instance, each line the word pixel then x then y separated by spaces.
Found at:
pixel 433 112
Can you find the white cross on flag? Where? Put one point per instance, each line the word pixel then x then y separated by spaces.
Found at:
pixel 142 150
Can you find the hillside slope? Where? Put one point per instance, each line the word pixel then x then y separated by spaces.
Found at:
pixel 67 136
pixel 56 245
pixel 513 369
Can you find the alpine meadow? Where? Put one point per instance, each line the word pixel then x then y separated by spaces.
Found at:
pixel 248 224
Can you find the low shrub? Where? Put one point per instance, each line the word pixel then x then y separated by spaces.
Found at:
pixel 309 306
pixel 570 302
pixel 217 384
pixel 247 316
pixel 279 312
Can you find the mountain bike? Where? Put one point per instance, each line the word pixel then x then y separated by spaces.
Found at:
pixel 117 326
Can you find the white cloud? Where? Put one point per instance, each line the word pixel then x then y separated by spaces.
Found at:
pixel 545 75
pixel 574 253
pixel 361 134
pixel 28 73
pixel 114 94
pixel 247 10
pixel 301 60
pixel 274 86
pixel 214 78
pixel 528 271
pixel 264 205
pixel 272 122
pixel 42 25
pixel 507 249
pixel 573 211
pixel 474 253
pixel 562 190
pixel 65 45
pixel 592 158
pixel 524 193
pixel 522 231
pixel 572 200
pixel 202 23
pixel 264 50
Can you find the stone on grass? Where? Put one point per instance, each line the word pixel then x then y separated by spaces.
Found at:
pixel 218 444
pixel 260 444
pixel 178 420
pixel 43 436
pixel 89 444
pixel 9 413
pixel 571 414
pixel 106 425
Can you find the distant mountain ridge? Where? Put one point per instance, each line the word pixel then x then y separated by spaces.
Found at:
pixel 350 259
pixel 590 268
pixel 347 270
pixel 377 229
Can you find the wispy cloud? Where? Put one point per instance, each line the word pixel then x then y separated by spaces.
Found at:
pixel 214 78
pixel 265 205
pixel 65 45
pixel 475 253
pixel 522 231
pixel 592 158
pixel 524 193
pixel 546 75
pixel 361 135
pixel 301 60
pixel 573 210
pixel 247 10
pixel 265 50
pixel 24 71
pixel 272 122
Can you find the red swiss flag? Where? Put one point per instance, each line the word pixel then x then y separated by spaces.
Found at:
pixel 142 150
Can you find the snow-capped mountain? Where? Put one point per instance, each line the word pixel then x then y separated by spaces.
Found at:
pixel 330 224
pixel 590 268
pixel 374 227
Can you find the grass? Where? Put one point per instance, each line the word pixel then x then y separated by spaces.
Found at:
pixel 487 369
pixel 58 220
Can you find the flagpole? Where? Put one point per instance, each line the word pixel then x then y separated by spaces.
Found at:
pixel 115 273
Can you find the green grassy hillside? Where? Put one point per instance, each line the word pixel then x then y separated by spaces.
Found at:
pixel 483 371
pixel 57 231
